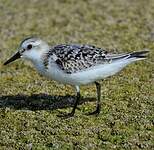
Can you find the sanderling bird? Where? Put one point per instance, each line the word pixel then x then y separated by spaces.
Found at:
pixel 74 64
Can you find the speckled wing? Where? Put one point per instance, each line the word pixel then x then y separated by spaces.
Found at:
pixel 73 57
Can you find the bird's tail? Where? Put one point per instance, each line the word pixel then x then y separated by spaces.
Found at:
pixel 133 56
pixel 138 55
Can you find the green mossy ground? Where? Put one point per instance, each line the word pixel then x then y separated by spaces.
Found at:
pixel 29 104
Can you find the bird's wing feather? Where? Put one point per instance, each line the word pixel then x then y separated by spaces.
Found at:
pixel 72 58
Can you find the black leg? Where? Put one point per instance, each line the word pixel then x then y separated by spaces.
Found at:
pixel 98 104
pixel 74 107
pixel 76 103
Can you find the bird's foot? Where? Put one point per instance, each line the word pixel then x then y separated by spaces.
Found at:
pixel 96 112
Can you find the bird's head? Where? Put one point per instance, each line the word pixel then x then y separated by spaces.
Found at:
pixel 30 48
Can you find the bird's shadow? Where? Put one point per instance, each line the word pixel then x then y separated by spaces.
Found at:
pixel 39 101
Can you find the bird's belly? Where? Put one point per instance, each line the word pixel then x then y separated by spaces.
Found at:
pixel 55 73
pixel 86 76
pixel 97 73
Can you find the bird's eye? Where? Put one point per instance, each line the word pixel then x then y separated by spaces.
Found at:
pixel 29 46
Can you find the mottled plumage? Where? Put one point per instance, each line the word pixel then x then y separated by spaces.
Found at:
pixel 72 58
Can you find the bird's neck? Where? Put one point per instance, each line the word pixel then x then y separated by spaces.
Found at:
pixel 38 64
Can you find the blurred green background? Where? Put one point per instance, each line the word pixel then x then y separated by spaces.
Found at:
pixel 29 103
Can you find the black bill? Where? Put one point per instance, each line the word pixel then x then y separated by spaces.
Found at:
pixel 14 57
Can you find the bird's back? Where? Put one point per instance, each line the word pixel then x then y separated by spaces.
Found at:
pixel 74 57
